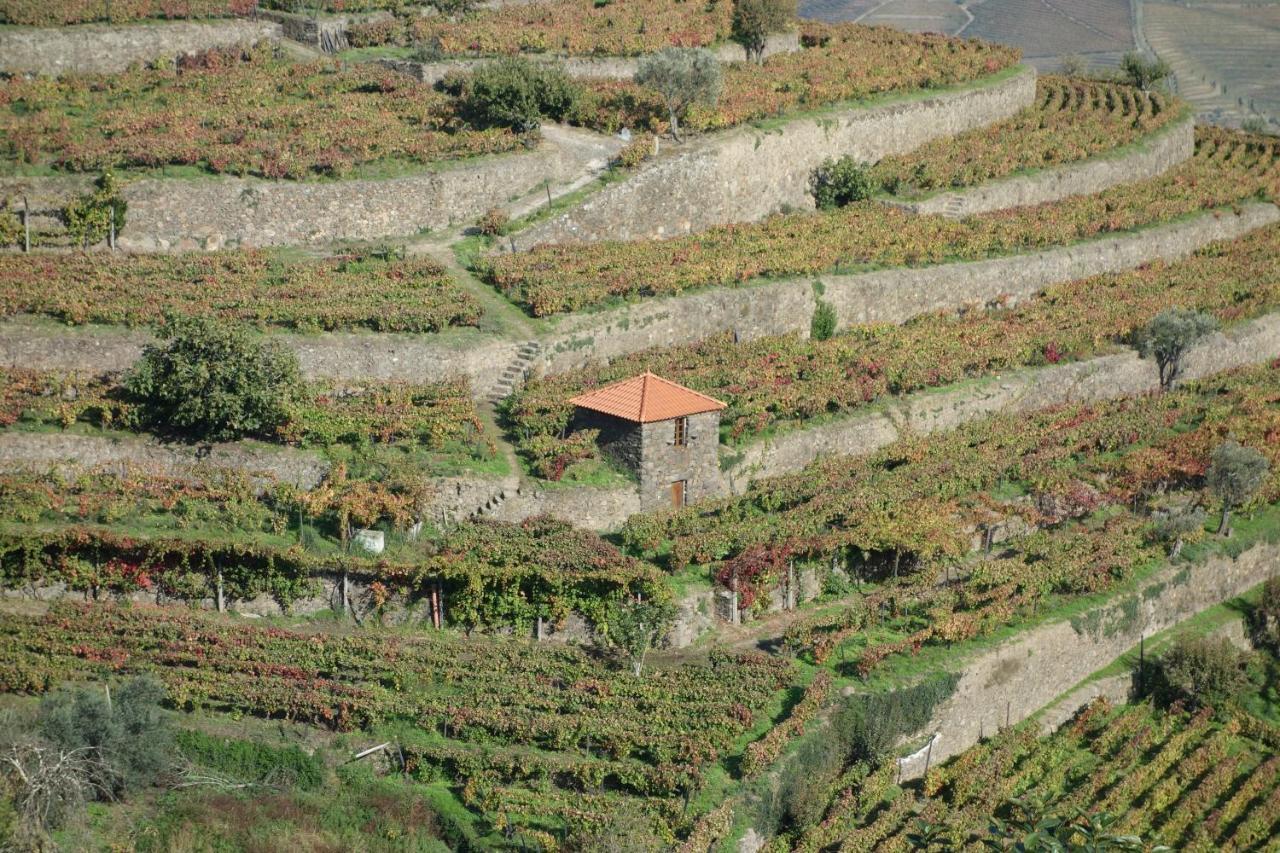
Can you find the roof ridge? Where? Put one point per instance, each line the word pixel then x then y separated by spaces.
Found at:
pixel 644 393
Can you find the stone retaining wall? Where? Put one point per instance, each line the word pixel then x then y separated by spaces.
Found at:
pixel 107 49
pixel 1153 157
pixel 885 296
pixel 596 508
pixel 72 454
pixel 173 214
pixel 746 174
pixel 1102 378
pixel 591 67
pixel 1022 675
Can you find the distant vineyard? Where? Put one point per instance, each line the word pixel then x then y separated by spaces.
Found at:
pixel 1072 120
pixel 1228 168
pixel 1185 780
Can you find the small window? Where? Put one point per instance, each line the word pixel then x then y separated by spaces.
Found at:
pixel 682 432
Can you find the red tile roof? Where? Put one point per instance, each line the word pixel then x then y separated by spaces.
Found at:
pixel 646 398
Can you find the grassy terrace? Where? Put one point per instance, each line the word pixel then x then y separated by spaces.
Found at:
pixel 359 290
pixel 1071 121
pixel 233 112
pixel 776 384
pixel 1228 168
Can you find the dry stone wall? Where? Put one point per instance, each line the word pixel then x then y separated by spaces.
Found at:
pixel 71 454
pixel 593 507
pixel 1103 378
pixel 172 214
pixel 746 174
pixel 592 67
pixel 108 49
pixel 1154 157
pixel 1023 675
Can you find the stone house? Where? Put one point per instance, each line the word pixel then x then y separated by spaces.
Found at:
pixel 669 435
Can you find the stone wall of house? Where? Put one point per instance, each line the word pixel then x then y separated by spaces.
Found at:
pixel 697 462
pixel 884 296
pixel 109 48
pixel 745 174
pixel 1022 675
pixel 1153 157
pixel 1106 377
pixel 591 67
pixel 172 214
pixel 620 440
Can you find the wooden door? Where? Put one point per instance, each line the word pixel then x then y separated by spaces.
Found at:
pixel 677 494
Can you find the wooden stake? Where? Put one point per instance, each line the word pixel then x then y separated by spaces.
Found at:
pixel 112 211
pixel 26 225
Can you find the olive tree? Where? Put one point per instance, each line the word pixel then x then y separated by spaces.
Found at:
pixel 1235 474
pixel 1170 336
pixel 214 381
pixel 636 627
pixel 682 76
pixel 1142 72
pixel 754 20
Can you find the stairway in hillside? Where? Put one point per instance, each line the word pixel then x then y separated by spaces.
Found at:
pixel 953 207
pixel 515 374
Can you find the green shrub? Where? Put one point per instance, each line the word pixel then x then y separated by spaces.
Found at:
pixel 213 381
pixel 1200 672
pixel 253 762
pixel 88 218
pixel 517 93
pixel 823 324
pixel 128 741
pixel 839 182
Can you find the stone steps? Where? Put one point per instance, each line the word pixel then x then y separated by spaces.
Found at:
pixel 515 374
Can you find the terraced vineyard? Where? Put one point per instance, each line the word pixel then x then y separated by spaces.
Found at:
pixel 1072 120
pixel 1185 780
pixel 541 738
pixel 235 112
pixel 1228 168
pixel 778 383
pixel 349 291
pixel 910 514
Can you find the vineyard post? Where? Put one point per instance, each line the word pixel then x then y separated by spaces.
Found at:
pixel 547 185
pixel 1142 661
pixel 112 212
pixel 928 754
pixel 791 585
pixel 539 634
pixel 346 598
pixel 26 225
pixel 1007 705
pixel 222 601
